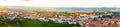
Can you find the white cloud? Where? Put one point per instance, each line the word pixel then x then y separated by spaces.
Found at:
pixel 62 3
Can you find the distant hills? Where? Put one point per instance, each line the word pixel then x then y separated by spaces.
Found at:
pixel 66 8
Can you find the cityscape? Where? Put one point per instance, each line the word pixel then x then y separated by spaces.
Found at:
pixel 17 16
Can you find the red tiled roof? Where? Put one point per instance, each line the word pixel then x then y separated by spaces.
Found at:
pixel 117 20
pixel 6 14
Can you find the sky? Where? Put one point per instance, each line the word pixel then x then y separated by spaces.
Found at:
pixel 61 3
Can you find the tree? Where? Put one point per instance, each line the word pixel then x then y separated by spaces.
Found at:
pixel 116 13
pixel 108 16
pixel 94 19
pixel 4 22
pixel 19 19
pixel 50 21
